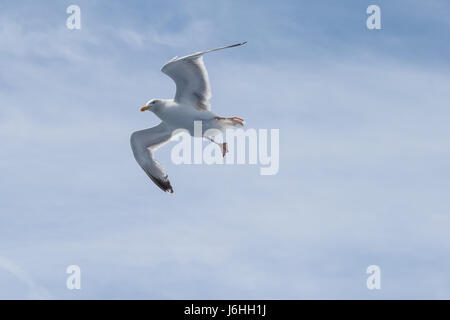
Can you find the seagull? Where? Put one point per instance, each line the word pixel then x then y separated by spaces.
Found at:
pixel 191 103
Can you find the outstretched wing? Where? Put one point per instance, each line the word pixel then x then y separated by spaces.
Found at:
pixel 191 78
pixel 143 143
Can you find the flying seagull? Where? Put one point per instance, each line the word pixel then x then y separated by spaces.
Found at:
pixel 191 103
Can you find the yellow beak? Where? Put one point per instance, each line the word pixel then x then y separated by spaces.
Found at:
pixel 144 108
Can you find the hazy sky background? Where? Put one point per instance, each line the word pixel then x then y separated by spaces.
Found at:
pixel 364 151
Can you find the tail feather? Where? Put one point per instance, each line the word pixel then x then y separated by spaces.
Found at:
pixel 230 122
pixel 238 121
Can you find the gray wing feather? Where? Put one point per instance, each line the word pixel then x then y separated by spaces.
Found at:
pixel 191 78
pixel 144 143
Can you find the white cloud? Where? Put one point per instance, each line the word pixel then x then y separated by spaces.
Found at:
pixel 34 290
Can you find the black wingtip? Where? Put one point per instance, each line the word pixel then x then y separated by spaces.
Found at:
pixel 238 44
pixel 163 184
pixel 169 188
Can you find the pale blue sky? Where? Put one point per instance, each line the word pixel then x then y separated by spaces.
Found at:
pixel 364 152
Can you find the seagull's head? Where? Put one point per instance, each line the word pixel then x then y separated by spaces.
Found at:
pixel 153 105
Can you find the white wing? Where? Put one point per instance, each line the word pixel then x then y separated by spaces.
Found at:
pixel 191 78
pixel 143 143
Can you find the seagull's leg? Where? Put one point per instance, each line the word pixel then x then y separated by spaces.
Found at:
pixel 223 146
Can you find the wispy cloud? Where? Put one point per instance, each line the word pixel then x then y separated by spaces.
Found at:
pixel 34 290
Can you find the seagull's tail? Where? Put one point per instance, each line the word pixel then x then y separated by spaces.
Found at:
pixel 226 123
